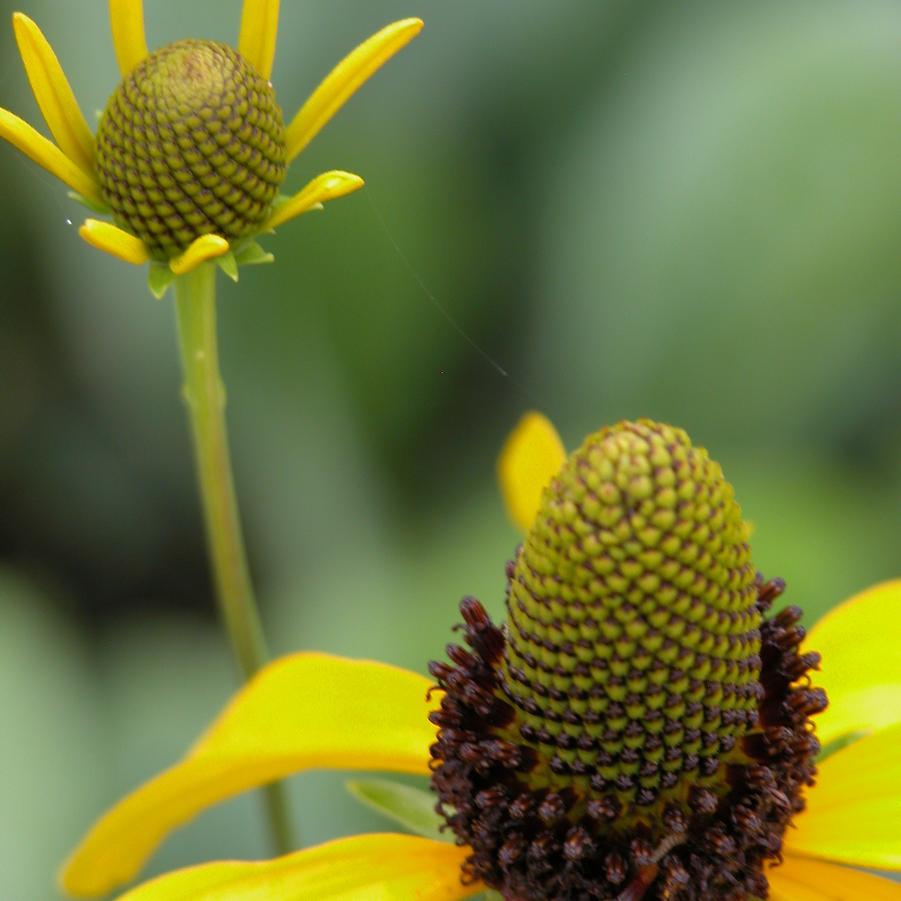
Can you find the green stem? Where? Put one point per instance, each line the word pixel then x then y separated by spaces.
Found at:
pixel 204 396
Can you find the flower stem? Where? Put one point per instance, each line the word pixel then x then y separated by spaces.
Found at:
pixel 204 395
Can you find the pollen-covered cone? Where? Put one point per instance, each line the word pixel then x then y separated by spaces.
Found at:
pixel 633 634
pixel 192 143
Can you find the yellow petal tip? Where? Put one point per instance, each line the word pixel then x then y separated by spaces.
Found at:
pixel 206 247
pixel 530 458
pixel 346 79
pixel 46 154
pixel 54 95
pixel 113 240
pixel 328 186
pixel 413 23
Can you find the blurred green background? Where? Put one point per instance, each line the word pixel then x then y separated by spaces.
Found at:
pixel 598 209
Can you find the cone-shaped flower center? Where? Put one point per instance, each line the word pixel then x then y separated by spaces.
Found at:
pixel 633 630
pixel 191 143
pixel 638 728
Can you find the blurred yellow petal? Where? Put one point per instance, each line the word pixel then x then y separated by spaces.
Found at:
pixel 127 21
pixel 206 247
pixel 46 154
pixel 54 95
pixel 344 80
pixel 370 867
pixel 259 28
pixel 531 457
pixel 853 813
pixel 800 879
pixel 327 186
pixel 301 712
pixel 113 240
pixel 861 668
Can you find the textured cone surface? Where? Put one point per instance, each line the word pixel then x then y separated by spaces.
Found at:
pixel 633 627
pixel 191 143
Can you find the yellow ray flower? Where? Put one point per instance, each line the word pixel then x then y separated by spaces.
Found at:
pixel 370 867
pixel 206 247
pixel 317 711
pixel 531 457
pixel 185 195
pixel 127 24
pixel 114 241
pixel 54 95
pixel 259 29
pixel 327 186
pixel 345 79
pixel 253 742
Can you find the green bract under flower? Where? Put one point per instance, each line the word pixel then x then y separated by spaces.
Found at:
pixel 191 143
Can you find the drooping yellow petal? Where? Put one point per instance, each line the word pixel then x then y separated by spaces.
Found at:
pixel 801 879
pixel 853 813
pixel 54 95
pixel 861 668
pixel 344 80
pixel 531 457
pixel 127 21
pixel 327 186
pixel 46 154
pixel 206 247
pixel 371 867
pixel 259 28
pixel 113 240
pixel 300 712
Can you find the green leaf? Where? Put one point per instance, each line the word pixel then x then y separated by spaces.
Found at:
pixel 229 265
pixel 412 808
pixel 94 207
pixel 838 743
pixel 159 277
pixel 251 254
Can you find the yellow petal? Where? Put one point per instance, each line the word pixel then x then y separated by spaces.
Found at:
pixel 45 153
pixel 341 83
pixel 800 879
pixel 303 711
pixel 371 867
pixel 531 457
pixel 113 240
pixel 327 186
pixel 127 21
pixel 259 28
pixel 853 813
pixel 206 247
pixel 54 95
pixel 861 668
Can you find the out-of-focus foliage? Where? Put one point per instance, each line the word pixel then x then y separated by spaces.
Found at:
pixel 688 211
